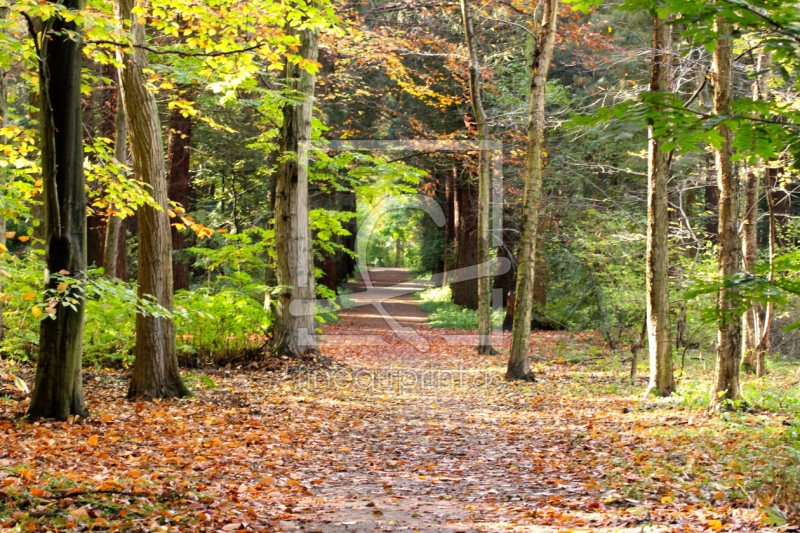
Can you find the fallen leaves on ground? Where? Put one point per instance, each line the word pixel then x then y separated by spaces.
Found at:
pixel 390 439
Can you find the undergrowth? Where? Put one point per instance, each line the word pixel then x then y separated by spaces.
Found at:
pixel 443 313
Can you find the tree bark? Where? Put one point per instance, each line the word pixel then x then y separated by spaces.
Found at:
pixel 155 369
pixel 58 390
pixel 180 138
pixel 726 371
pixel 518 362
pixel 294 324
pixel 484 275
pixel 465 291
pixel 753 323
pixel 711 200
pixel 115 238
pixel 658 335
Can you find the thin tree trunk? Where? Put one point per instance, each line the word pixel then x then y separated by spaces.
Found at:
pixel 3 140
pixel 180 138
pixel 484 275
pixel 763 339
pixel 518 362
pixel 754 322
pixel 751 319
pixel 155 369
pixel 729 331
pixel 113 245
pixel 294 324
pixel 450 225
pixel 662 381
pixel 58 390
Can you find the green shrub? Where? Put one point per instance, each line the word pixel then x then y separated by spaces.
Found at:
pixel 217 327
pixel 443 313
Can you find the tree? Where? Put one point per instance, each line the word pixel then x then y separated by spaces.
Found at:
pixel 484 170
pixel 114 245
pixel 755 323
pixel 465 214
pixel 3 140
pixel 58 389
pixel 178 180
pixel 726 369
pixel 294 324
pixel 658 334
pixel 155 369
pixel 518 362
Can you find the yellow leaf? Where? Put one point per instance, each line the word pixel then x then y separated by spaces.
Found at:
pixel 29 296
pixel 666 499
pixel 93 440
pixel 24 238
pixel 81 513
pixel 19 384
pixel 716 525
pixel 36 310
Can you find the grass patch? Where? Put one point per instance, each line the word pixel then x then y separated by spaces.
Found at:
pixel 443 313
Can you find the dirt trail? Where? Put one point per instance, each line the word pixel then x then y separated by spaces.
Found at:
pixel 411 430
pixel 392 288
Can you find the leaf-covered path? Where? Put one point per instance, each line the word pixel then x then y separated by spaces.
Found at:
pixel 399 435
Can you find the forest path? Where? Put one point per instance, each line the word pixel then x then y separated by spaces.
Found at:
pixel 419 433
pixel 408 431
pixel 391 289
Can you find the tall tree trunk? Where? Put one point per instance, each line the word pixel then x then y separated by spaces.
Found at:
pixel 180 138
pixel 660 348
pixel 484 170
pixel 518 362
pixel 115 237
pixel 729 331
pixel 155 369
pixel 753 320
pixel 294 324
pixel 465 291
pixel 763 338
pixel 58 391
pixel 3 140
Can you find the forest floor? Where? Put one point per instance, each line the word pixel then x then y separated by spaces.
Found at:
pixel 409 430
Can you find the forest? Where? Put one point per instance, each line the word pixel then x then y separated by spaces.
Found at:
pixel 404 265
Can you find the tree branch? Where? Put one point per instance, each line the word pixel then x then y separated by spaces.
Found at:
pixel 179 53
